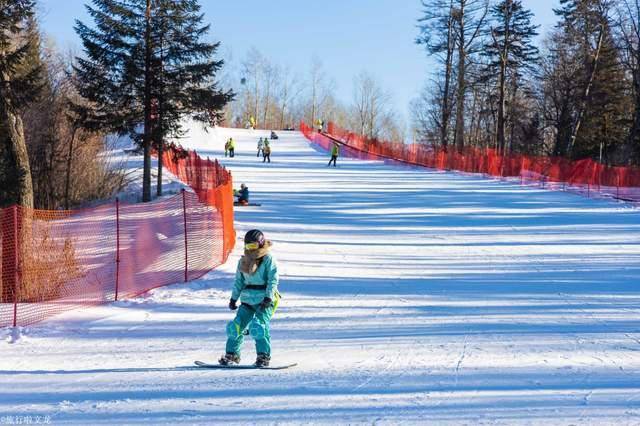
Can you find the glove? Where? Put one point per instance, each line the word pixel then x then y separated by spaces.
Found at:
pixel 232 305
pixel 266 303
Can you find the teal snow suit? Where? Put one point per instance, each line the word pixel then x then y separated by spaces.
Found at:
pixel 251 290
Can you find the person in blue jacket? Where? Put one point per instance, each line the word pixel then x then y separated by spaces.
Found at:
pixel 256 288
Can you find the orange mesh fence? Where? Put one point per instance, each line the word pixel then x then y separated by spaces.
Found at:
pixel 53 261
pixel 586 176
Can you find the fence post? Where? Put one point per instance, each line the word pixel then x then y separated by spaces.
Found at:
pixel 117 246
pixel 618 186
pixel 186 245
pixel 16 276
pixel 588 190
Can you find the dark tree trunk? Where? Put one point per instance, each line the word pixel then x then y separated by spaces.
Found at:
pixel 159 139
pixel 587 90
pixel 147 137
pixel 634 133
pixel 160 166
pixel 462 83
pixel 563 137
pixel 67 183
pixel 501 108
pixel 16 186
pixel 446 108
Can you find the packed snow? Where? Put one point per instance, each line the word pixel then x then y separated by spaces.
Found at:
pixel 409 296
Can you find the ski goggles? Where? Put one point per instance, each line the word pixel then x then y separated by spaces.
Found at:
pixel 252 246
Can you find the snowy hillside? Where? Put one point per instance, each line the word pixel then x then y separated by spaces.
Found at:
pixel 409 295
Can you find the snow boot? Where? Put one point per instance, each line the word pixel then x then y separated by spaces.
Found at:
pixel 229 359
pixel 262 360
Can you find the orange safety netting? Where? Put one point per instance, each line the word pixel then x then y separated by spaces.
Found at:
pixel 584 176
pixel 53 261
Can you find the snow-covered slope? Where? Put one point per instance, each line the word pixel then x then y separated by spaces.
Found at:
pixel 409 296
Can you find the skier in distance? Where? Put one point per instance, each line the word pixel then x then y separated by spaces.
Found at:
pixel 335 150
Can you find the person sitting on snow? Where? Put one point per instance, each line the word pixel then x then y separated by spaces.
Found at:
pixel 256 287
pixel 243 195
pixel 274 135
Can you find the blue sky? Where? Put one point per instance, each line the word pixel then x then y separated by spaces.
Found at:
pixel 348 35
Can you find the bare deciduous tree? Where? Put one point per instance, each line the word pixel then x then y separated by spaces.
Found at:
pixel 253 71
pixel 321 90
pixel 370 105
pixel 436 34
pixel 469 17
pixel 289 90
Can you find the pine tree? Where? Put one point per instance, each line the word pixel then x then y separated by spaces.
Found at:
pixel 558 91
pixel 146 69
pixel 605 119
pixel 598 116
pixel 183 72
pixel 628 29
pixel 511 52
pixel 20 84
pixel 109 76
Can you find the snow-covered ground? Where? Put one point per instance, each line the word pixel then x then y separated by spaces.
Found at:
pixel 122 154
pixel 410 296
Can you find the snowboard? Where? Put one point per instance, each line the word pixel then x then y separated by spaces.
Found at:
pixel 242 367
pixel 246 205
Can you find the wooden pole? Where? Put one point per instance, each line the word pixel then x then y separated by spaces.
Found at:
pixel 117 247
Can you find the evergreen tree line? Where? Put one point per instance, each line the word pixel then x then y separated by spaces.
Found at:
pixel 46 160
pixel 576 96
pixel 145 68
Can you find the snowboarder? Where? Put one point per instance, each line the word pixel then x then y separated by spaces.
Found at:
pixel 232 148
pixel 335 150
pixel 243 195
pixel 260 147
pixel 226 148
pixel 266 153
pixel 256 287
pixel 274 135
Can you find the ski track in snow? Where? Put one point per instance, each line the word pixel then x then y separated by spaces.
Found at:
pixel 409 296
